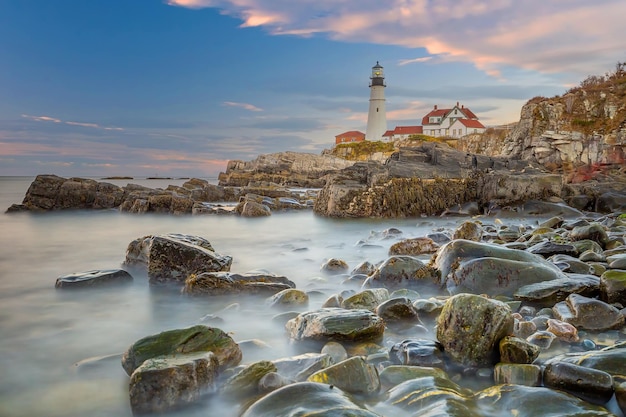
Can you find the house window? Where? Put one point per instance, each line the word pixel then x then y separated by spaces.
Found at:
pixel 475 131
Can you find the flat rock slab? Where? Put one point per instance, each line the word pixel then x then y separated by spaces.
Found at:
pixel 337 324
pixel 95 278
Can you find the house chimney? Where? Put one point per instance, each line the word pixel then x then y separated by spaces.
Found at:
pixel 457 104
pixel 435 107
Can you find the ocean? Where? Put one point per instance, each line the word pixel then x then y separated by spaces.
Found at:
pixel 60 350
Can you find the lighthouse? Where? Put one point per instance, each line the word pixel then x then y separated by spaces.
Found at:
pixel 376 117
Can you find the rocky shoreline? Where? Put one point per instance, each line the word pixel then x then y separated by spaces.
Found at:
pixel 474 321
pixel 422 180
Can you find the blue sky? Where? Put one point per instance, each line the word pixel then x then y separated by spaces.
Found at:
pixel 179 87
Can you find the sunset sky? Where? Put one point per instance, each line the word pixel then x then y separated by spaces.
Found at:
pixel 179 87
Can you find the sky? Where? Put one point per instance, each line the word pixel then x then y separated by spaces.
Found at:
pixel 179 87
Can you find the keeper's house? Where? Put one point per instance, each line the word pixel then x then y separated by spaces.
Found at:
pixel 350 136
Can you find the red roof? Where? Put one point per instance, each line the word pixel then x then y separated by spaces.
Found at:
pixel 468 113
pixel 472 123
pixel 407 130
pixel 444 112
pixel 434 113
pixel 351 133
pixel 388 133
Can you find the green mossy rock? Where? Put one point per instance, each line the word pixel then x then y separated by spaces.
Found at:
pixel 354 375
pixel 183 341
pixel 246 382
pixel 470 328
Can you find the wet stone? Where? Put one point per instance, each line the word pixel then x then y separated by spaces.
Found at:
pixel 300 367
pixel 517 350
pixel 549 248
pixel 354 375
pixel 588 313
pixel 167 382
pixel 613 286
pixel 468 230
pixel 404 272
pixel 226 283
pixel 367 299
pixel 547 293
pixel 588 384
pixel 497 276
pixel 397 309
pixel 171 258
pixel 617 261
pixel 571 264
pixel 470 328
pixel 564 331
pixel 591 256
pixel 336 323
pixel 593 231
pixel 519 374
pixel 365 268
pixel 94 278
pixel 335 266
pixel 523 329
pixel 396 374
pixel 543 339
pixel 245 382
pixel 414 246
pixel 418 352
pixel 321 400
pixel 287 298
pixel 336 351
pixel 197 338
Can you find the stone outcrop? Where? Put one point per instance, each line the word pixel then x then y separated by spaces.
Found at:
pixel 293 169
pixel 195 196
pixel 427 180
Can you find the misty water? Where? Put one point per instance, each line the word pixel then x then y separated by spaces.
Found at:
pixel 50 339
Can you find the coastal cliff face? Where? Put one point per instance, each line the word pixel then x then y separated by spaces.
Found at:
pixel 586 126
pixel 293 169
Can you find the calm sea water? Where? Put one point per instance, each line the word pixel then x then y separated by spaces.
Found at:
pixel 50 338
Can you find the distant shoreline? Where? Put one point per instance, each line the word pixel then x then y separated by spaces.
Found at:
pixel 148 178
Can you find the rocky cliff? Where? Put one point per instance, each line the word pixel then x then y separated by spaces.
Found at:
pixel 292 169
pixel 585 127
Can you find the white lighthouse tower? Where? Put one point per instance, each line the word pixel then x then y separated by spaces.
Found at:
pixel 376 117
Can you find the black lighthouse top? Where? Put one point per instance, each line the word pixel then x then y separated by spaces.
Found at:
pixel 378 76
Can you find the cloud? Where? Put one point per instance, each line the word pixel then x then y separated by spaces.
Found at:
pixel 70 123
pixel 41 118
pixel 493 35
pixel 414 60
pixel 246 106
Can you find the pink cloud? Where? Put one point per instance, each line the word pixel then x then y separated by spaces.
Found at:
pixel 493 34
pixel 246 106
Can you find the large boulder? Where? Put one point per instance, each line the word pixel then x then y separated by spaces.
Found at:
pixel 171 258
pixel 197 338
pixel 496 276
pixel 483 268
pixel 168 382
pixel 470 328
